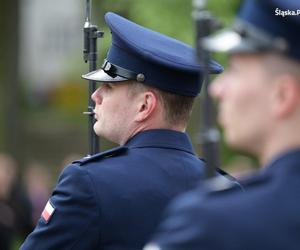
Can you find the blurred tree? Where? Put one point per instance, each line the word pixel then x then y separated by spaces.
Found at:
pixel 11 118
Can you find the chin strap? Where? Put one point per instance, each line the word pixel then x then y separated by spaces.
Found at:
pixel 115 70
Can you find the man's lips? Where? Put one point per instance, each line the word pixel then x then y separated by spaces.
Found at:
pixel 95 115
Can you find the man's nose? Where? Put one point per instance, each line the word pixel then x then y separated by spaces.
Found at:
pixel 97 97
pixel 216 88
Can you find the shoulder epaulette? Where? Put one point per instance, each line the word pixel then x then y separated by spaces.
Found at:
pixel 221 183
pixel 106 154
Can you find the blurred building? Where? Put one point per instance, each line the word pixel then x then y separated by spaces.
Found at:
pixel 49 36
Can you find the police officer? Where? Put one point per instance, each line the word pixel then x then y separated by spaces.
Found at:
pixel 259 98
pixel 114 200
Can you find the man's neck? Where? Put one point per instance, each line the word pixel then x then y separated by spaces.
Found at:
pixel 278 144
pixel 145 126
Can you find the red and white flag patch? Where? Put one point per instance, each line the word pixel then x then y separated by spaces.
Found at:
pixel 48 211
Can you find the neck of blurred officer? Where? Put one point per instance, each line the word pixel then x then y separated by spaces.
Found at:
pixel 284 130
pixel 283 139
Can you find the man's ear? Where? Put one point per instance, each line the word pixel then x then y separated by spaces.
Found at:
pixel 286 96
pixel 147 102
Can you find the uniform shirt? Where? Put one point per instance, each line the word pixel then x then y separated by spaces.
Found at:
pixel 114 200
pixel 266 216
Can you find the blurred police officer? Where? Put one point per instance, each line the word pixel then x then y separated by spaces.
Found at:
pixel 259 98
pixel 113 200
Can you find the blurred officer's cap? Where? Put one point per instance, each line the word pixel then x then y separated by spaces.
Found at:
pixel 262 25
pixel 151 58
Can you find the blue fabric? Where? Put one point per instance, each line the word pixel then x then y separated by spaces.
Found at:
pixel 265 216
pixel 114 200
pixel 164 78
pixel 265 15
pixel 153 46
pixel 166 63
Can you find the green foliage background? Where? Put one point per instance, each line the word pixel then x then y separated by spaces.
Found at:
pixel 53 126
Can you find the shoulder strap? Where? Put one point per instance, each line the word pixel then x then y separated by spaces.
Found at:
pixel 106 154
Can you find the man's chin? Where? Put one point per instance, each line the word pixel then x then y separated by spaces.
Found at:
pixel 101 133
pixel 231 140
pixel 97 130
pixel 239 144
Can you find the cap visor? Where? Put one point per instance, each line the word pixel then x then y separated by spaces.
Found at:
pixel 226 41
pixel 214 67
pixel 101 76
pixel 229 41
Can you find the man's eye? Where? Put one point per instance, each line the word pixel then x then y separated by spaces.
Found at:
pixel 108 85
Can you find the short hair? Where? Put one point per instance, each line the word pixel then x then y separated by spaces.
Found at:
pixel 280 64
pixel 177 108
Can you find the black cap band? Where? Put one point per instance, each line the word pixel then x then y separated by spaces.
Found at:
pixel 115 70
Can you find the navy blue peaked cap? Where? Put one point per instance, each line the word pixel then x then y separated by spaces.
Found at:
pixel 140 54
pixel 262 25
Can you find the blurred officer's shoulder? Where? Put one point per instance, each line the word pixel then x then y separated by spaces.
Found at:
pixel 222 189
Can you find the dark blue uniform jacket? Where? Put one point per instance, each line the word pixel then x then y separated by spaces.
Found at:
pixel 114 200
pixel 266 216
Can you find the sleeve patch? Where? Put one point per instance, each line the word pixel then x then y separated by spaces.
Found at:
pixel 48 212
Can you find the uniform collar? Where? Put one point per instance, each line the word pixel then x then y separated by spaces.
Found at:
pixel 285 161
pixel 282 165
pixel 162 138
